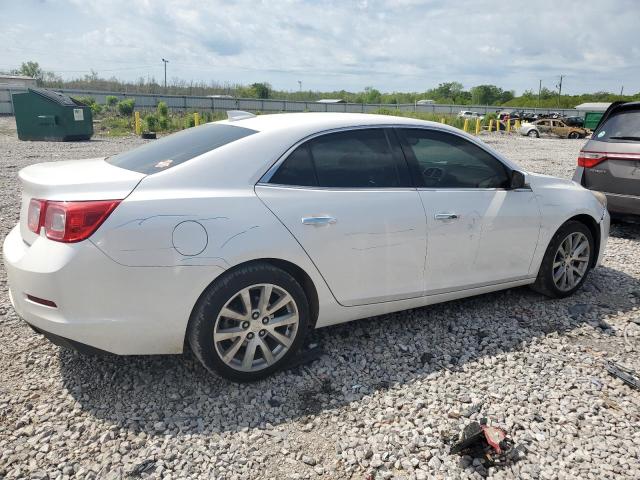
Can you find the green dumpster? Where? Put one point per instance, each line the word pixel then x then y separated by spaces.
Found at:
pixel 591 119
pixel 46 115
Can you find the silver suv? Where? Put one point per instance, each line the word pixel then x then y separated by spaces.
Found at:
pixel 610 160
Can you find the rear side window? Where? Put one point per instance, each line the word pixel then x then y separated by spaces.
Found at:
pixel 178 148
pixel 624 126
pixel 361 158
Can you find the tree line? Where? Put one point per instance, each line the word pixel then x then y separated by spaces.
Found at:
pixel 444 93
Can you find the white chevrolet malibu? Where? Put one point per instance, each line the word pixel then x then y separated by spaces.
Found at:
pixel 237 237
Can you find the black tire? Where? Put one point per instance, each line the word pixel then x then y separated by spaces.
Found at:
pixel 574 135
pixel 544 282
pixel 214 298
pixel 533 133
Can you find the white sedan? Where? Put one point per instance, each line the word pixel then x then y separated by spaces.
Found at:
pixel 237 237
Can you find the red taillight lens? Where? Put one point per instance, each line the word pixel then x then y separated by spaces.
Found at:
pixel 34 215
pixel 589 160
pixel 69 221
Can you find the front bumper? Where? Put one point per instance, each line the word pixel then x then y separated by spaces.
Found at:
pixel 100 303
pixel 605 224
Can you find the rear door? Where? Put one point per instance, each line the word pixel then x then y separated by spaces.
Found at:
pixel 347 198
pixel 480 232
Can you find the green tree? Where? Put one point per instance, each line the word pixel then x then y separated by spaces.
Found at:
pixel 261 90
pixel 30 69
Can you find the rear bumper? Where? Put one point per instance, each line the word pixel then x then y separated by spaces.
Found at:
pixel 98 302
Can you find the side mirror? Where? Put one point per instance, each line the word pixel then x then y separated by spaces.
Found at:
pixel 517 180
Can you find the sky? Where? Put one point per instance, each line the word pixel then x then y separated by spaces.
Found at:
pixel 392 45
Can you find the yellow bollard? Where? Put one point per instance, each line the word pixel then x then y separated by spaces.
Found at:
pixel 138 124
pixel 442 120
pixel 508 126
pixel 477 126
pixel 196 119
pixel 518 125
pixel 490 125
pixel 466 125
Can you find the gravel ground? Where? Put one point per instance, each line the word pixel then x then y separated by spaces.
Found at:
pixel 383 402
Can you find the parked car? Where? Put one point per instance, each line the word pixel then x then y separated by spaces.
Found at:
pixel 574 121
pixel 552 127
pixel 238 237
pixel 470 115
pixel 425 101
pixel 610 160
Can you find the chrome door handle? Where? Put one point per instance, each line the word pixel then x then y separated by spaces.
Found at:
pixel 446 216
pixel 317 221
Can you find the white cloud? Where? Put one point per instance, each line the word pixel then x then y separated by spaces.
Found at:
pixel 399 45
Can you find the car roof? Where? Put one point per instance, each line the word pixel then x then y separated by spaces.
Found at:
pixel 320 121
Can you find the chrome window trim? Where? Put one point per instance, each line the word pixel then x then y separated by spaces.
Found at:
pixel 340 189
pixel 266 177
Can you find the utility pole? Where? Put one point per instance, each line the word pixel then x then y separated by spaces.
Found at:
pixel 560 90
pixel 621 90
pixel 300 84
pixel 539 90
pixel 165 74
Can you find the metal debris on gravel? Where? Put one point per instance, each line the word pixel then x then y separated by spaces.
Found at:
pixel 382 402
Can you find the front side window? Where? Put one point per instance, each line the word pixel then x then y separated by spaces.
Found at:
pixel 179 147
pixel 360 158
pixel 444 160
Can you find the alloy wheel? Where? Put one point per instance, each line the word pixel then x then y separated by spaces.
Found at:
pixel 571 261
pixel 256 327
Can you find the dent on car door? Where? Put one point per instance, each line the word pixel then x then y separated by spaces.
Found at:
pixel 347 198
pixel 479 230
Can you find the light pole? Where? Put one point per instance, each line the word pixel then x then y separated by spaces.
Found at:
pixel 300 84
pixel 165 74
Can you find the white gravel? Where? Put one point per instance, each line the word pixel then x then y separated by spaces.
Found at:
pixel 382 403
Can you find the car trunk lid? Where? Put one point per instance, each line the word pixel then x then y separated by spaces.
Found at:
pixel 73 180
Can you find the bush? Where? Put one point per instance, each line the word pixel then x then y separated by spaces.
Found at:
pixel 111 100
pixel 96 108
pixel 189 121
pixel 88 101
pixel 163 122
pixel 151 121
pixel 125 107
pixel 162 109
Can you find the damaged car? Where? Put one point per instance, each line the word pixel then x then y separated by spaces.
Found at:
pixel 236 238
pixel 555 127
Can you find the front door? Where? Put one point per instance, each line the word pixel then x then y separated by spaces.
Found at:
pixel 479 231
pixel 347 199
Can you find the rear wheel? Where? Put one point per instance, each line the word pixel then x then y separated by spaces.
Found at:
pixel 566 262
pixel 533 133
pixel 249 323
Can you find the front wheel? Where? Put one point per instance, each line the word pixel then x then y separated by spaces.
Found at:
pixel 249 323
pixel 574 135
pixel 566 262
pixel 533 133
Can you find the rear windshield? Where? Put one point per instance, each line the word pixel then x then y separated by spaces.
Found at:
pixel 622 127
pixel 177 148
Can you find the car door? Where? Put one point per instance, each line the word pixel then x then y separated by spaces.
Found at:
pixel 347 198
pixel 479 230
pixel 560 129
pixel 544 126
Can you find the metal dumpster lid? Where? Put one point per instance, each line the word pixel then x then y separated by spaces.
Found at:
pixel 55 97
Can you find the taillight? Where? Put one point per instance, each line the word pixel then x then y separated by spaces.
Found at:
pixel 34 215
pixel 589 160
pixel 68 221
